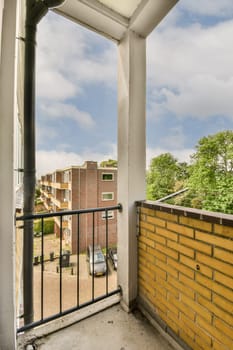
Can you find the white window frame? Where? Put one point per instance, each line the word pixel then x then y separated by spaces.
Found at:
pixel 102 175
pixel 110 215
pixel 107 193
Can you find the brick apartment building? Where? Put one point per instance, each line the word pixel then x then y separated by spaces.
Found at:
pixel 82 187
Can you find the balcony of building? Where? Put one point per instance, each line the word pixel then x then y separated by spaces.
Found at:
pixel 65 222
pixel 175 264
pixel 47 205
pixel 60 203
pixel 130 331
pixel 46 194
pixel 46 182
pixel 60 185
pixel 183 288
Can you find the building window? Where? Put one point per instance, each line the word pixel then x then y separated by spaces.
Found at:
pixel 67 218
pixel 67 176
pixel 107 176
pixel 107 196
pixel 109 214
pixel 67 196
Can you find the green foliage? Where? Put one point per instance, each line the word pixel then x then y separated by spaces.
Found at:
pixel 37 193
pixel 38 201
pixel 48 226
pixel 164 173
pixel 110 163
pixel 211 177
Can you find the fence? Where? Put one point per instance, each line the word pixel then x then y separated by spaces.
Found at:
pixel 86 289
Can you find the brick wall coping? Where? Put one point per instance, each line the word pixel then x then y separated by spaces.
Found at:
pixel 209 216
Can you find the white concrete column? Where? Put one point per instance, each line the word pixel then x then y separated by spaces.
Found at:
pixel 7 229
pixel 131 156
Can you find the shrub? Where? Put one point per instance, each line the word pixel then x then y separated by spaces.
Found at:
pixel 48 226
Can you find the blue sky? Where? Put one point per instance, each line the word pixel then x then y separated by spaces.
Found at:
pixel 189 86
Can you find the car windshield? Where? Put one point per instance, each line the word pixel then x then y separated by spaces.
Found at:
pixel 98 257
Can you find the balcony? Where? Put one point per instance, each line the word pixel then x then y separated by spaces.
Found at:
pixel 65 222
pixel 47 206
pixel 61 204
pixel 176 265
pixel 63 282
pixel 184 289
pixel 60 185
pixel 46 194
pixel 129 331
pixel 46 182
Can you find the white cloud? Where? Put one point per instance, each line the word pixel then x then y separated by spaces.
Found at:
pixel 62 110
pixel 49 161
pixel 191 70
pixel 203 96
pixel 70 57
pixel 52 85
pixel 99 69
pixel 174 139
pixel 220 8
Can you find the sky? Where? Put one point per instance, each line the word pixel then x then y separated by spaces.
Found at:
pixel 189 86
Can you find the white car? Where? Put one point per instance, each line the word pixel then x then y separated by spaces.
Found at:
pixel 97 262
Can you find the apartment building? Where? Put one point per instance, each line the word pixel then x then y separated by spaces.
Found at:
pixel 82 187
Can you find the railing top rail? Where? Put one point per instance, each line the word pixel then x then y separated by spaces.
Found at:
pixel 67 212
pixel 172 195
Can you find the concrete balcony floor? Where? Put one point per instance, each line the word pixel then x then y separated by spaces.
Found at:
pixel 112 329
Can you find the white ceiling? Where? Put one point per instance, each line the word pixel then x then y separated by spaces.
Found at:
pixel 124 7
pixel 112 18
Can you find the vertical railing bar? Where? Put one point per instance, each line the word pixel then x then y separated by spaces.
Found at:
pixel 107 271
pixel 42 271
pixel 60 263
pixel 78 246
pixel 78 282
pixel 93 247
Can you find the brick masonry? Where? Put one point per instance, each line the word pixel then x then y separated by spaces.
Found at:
pixel 82 187
pixel 185 275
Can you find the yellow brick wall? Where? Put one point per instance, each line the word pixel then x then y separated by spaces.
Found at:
pixel 185 276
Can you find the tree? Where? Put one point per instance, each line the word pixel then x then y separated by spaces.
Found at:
pixel 37 192
pixel 211 178
pixel 110 163
pixel 164 174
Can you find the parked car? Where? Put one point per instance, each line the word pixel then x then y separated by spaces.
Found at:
pixel 112 253
pixel 97 262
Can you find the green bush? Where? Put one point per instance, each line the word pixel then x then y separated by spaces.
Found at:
pixel 38 201
pixel 48 226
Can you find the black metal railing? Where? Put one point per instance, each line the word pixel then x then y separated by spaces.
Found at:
pixel 88 289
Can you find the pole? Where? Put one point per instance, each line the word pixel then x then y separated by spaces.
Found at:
pixel 35 11
pixel 29 163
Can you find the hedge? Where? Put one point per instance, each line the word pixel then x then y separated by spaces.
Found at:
pixel 48 226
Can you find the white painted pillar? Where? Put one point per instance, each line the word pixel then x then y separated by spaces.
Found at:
pixel 7 229
pixel 131 156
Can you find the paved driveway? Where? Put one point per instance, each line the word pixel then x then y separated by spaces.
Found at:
pixel 69 286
